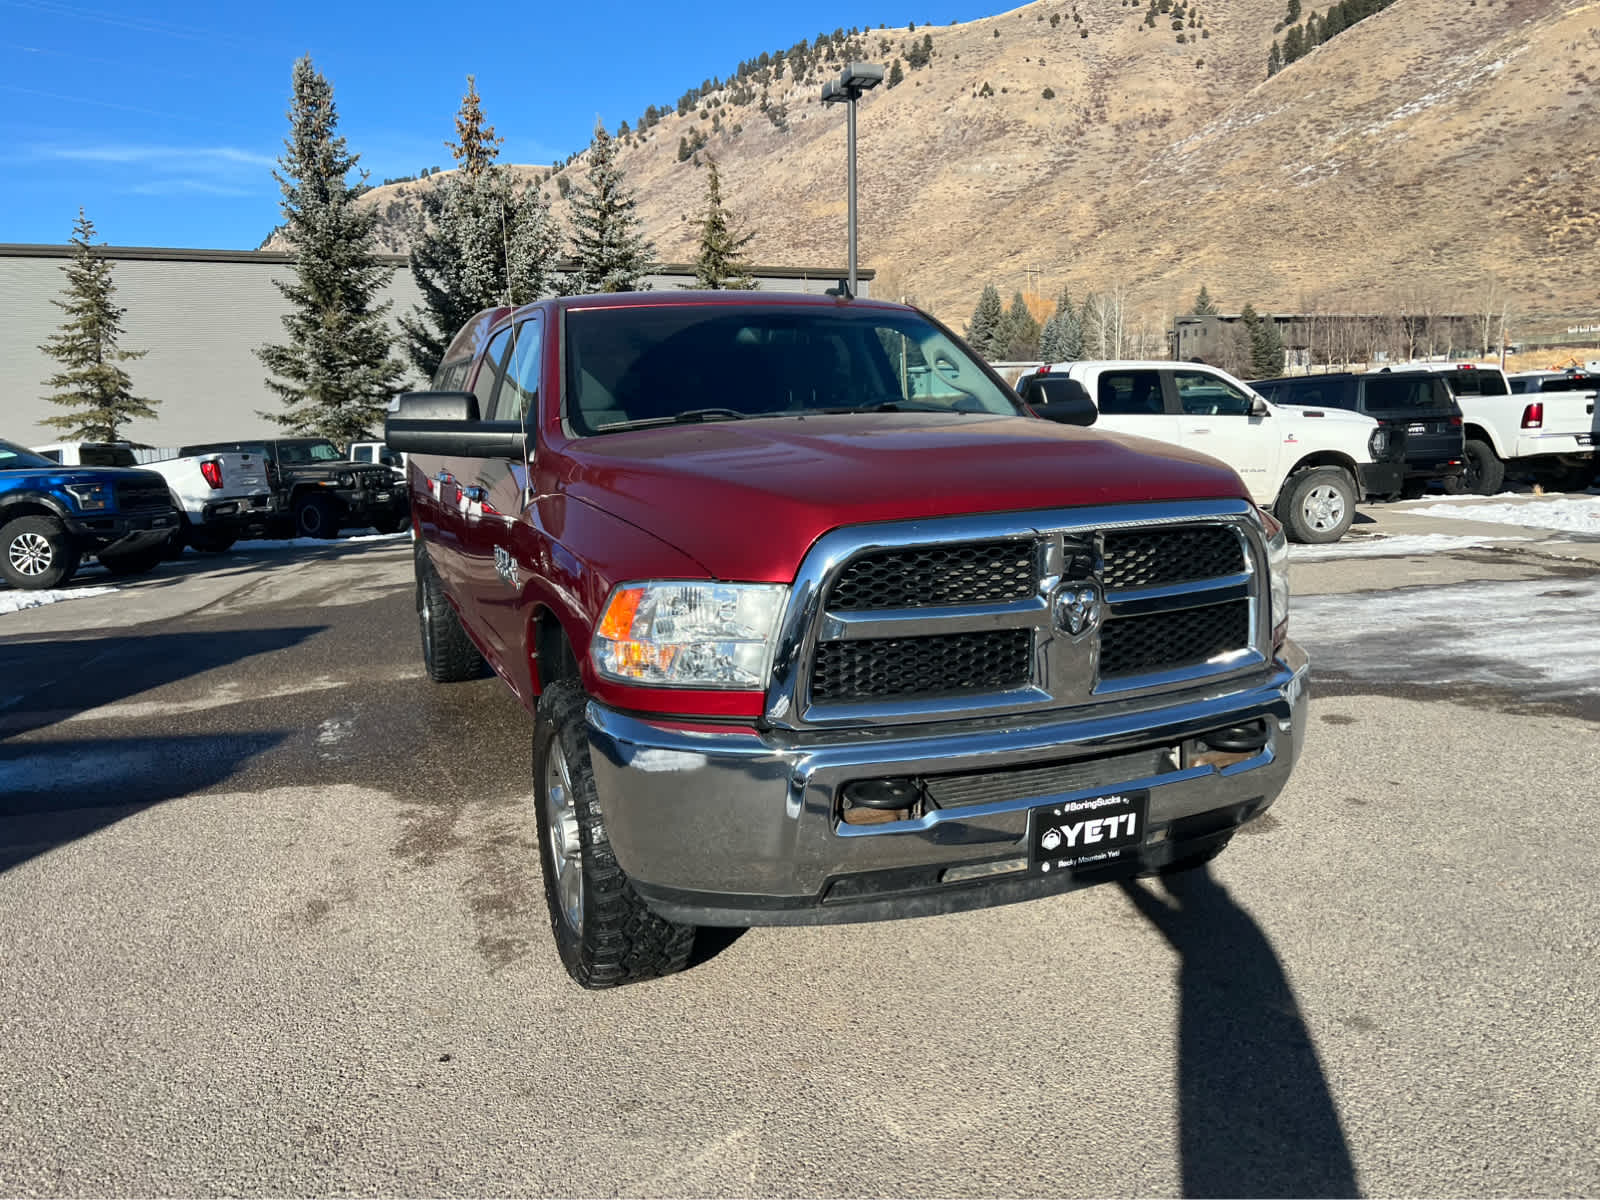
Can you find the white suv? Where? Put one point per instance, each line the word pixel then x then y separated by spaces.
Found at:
pixel 1310 466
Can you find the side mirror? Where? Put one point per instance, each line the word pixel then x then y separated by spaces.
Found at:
pixel 1057 398
pixel 447 423
pixel 1258 407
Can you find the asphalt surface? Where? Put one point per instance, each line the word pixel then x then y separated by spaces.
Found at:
pixel 271 923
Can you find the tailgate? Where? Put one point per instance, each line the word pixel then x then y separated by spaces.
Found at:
pixel 243 474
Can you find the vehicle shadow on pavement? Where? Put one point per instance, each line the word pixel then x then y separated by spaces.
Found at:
pixel 1255 1114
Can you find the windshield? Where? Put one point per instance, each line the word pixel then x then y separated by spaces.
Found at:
pixel 14 457
pixel 297 454
pixel 1404 394
pixel 643 366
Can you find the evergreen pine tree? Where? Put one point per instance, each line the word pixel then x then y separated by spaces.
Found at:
pixel 90 381
pixel 335 373
pixel 720 264
pixel 983 332
pixel 1274 60
pixel 897 74
pixel 1203 307
pixel 488 242
pixel 1019 332
pixel 1266 348
pixel 607 239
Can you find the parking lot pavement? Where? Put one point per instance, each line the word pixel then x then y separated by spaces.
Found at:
pixel 270 922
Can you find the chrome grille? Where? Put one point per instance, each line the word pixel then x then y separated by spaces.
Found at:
pixel 1141 558
pixel 921 576
pixel 957 617
pixel 1166 641
pixel 880 667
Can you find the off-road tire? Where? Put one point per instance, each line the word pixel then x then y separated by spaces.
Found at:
pixel 1485 474
pixel 136 562
pixel 620 939
pixel 37 553
pixel 1318 505
pixel 316 517
pixel 447 652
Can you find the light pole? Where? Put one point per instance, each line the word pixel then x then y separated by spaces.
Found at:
pixel 853 80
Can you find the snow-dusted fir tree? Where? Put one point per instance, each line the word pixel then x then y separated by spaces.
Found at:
pixel 608 239
pixel 721 264
pixel 488 241
pixel 984 330
pixel 90 383
pixel 335 372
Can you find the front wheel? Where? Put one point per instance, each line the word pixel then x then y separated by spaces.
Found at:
pixel 316 517
pixel 1319 505
pixel 36 553
pixel 605 933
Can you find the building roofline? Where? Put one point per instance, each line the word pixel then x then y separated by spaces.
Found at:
pixel 263 257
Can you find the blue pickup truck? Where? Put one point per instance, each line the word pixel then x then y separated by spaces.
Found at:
pixel 52 516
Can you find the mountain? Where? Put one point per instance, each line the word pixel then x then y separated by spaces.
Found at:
pixel 1440 153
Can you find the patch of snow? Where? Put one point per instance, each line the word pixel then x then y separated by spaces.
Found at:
pixel 15 600
pixel 1572 515
pixel 1517 634
pixel 1393 545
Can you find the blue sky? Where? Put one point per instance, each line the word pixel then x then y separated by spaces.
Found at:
pixel 163 120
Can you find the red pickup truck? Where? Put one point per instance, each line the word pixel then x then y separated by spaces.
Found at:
pixel 820 623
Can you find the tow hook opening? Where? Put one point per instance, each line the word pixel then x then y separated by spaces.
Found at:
pixel 1231 744
pixel 880 801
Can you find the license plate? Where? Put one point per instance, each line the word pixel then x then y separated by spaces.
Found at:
pixel 1417 427
pixel 156 521
pixel 380 495
pixel 1076 834
pixel 1586 439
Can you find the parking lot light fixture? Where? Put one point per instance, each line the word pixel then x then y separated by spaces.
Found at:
pixel 855 79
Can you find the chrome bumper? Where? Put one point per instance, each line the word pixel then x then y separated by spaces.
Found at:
pixel 740 827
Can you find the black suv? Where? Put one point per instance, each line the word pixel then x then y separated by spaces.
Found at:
pixel 320 490
pixel 1422 418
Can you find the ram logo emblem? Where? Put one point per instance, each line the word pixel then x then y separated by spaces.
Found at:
pixel 1077 607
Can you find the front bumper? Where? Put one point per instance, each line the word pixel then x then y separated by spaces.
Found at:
pixel 742 828
pixel 122 532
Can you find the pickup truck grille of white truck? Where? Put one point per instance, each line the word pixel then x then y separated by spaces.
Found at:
pixel 919 622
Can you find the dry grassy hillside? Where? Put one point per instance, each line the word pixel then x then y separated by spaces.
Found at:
pixel 1430 149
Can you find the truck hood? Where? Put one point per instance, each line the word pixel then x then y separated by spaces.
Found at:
pixel 1325 415
pixel 746 499
pixel 46 477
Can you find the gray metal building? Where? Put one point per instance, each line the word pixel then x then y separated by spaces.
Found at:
pixel 199 315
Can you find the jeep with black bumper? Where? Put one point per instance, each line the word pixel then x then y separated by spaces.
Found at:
pixel 808 645
pixel 317 491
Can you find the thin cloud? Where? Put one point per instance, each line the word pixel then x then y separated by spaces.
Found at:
pixel 188 187
pixel 156 155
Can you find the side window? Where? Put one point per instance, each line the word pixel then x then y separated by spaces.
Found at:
pixel 1131 393
pixel 519 386
pixel 1205 395
pixel 52 455
pixel 361 454
pixel 451 375
pixel 488 373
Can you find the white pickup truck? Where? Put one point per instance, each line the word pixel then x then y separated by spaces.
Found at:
pixel 1548 438
pixel 220 497
pixel 1309 466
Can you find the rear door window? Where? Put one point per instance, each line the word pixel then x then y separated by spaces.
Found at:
pixel 1131 393
pixel 1404 395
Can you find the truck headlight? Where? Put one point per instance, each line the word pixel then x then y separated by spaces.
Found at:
pixel 1277 574
pixel 707 635
pixel 1378 443
pixel 91 497
pixel 346 479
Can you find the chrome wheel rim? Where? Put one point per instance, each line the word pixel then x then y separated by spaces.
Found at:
pixel 561 830
pixel 30 554
pixel 1323 508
